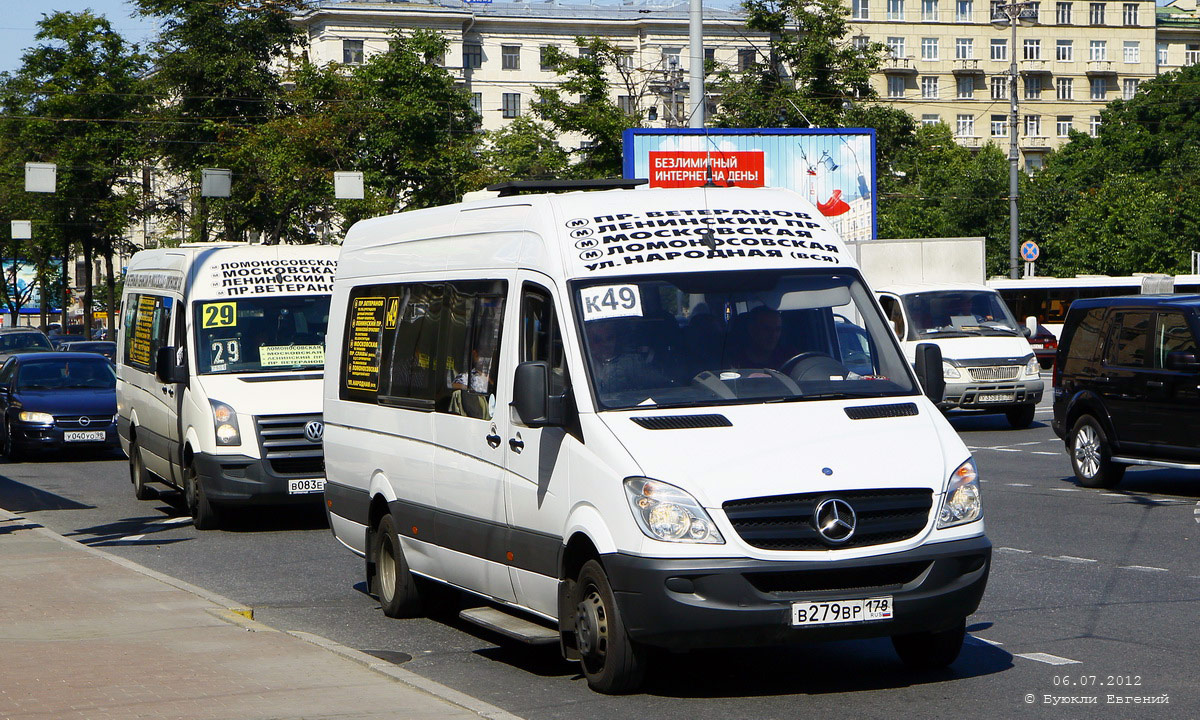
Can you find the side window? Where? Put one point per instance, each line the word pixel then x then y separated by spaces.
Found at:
pixel 1172 335
pixel 371 310
pixel 1129 339
pixel 1083 346
pixel 411 365
pixel 891 307
pixel 147 328
pixel 541 337
pixel 470 346
pixel 6 373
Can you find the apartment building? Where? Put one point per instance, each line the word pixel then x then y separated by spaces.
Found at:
pixel 1178 35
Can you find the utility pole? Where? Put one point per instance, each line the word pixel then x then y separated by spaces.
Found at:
pixel 1010 14
pixel 696 67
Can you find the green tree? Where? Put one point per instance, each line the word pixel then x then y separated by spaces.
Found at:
pixel 524 149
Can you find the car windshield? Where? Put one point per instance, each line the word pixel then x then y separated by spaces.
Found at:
pixel 261 334
pixel 958 313
pixel 90 373
pixel 23 341
pixel 696 339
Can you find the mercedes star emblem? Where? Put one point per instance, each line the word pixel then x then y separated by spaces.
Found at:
pixel 835 520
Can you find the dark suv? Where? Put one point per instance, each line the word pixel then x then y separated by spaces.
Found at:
pixel 1126 383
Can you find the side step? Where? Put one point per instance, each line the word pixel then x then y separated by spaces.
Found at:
pixel 510 625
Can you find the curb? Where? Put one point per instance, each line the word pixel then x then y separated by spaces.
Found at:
pixel 243 616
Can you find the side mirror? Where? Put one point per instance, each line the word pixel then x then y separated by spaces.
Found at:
pixel 166 370
pixel 929 371
pixel 1026 332
pixel 531 396
pixel 1031 324
pixel 1182 361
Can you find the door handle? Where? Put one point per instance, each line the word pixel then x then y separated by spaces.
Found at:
pixel 493 440
pixel 1154 383
pixel 517 444
pixel 168 390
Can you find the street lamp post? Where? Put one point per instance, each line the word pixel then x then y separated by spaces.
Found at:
pixel 1011 14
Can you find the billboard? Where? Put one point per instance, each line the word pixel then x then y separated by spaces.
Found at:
pixel 834 168
pixel 20 277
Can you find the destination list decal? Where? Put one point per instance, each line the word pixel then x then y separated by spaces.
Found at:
pixel 293 276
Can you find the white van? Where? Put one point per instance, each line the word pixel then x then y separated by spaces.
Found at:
pixel 987 361
pixel 627 420
pixel 219 361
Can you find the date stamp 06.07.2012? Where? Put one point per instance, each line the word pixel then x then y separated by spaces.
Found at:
pixel 1080 689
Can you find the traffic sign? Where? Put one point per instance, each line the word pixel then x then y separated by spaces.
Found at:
pixel 1029 251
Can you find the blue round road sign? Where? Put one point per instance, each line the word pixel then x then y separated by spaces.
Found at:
pixel 1029 251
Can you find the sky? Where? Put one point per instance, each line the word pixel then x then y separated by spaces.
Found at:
pixel 19 18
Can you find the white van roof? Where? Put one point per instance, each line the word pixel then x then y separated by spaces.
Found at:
pixel 908 288
pixel 214 270
pixel 601 233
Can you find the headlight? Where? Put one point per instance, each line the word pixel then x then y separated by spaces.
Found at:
pixel 962 503
pixel 226 424
pixel 664 512
pixel 36 417
pixel 1032 367
pixel 950 372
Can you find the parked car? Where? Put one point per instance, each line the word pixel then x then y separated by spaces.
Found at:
pixel 107 348
pixel 23 339
pixel 1127 385
pixel 57 400
pixel 1045 346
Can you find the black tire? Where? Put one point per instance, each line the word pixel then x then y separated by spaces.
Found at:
pixel 396 588
pixel 931 650
pixel 204 514
pixel 138 475
pixel 1020 416
pixel 11 451
pixel 612 662
pixel 1091 455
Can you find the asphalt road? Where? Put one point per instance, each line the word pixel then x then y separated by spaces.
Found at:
pixel 1093 593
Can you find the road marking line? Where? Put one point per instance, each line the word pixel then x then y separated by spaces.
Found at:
pixel 172 520
pixel 1066 489
pixel 1070 558
pixel 1043 452
pixel 1032 442
pixel 131 538
pixel 1012 550
pixel 984 641
pixel 1005 449
pixel 1048 659
pixel 1111 495
pixel 1143 568
pixel 1019 485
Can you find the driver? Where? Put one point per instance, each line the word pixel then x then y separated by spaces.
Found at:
pixel 612 369
pixel 760 348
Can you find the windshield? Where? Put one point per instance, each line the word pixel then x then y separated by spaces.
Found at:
pixel 21 341
pixel 261 334
pixel 958 313
pixel 96 374
pixel 695 339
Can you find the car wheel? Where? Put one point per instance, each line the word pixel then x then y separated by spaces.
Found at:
pixel 930 650
pixel 1020 416
pixel 204 513
pixel 11 451
pixel 612 662
pixel 1091 457
pixel 392 582
pixel 137 473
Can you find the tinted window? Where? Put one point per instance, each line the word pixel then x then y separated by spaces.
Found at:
pixel 63 374
pixel 541 337
pixel 1083 344
pixel 1129 339
pixel 147 328
pixel 471 347
pixel 268 334
pixel 891 308
pixel 24 340
pixel 411 363
pixel 1172 335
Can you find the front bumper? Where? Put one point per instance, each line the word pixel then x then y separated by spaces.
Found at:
pixel 44 438
pixel 971 395
pixel 244 480
pixel 685 604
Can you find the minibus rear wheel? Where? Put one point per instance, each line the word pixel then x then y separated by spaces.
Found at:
pixel 612 662
pixel 137 473
pixel 931 650
pixel 392 583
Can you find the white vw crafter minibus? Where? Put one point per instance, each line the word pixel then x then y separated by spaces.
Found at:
pixel 219 361
pixel 638 419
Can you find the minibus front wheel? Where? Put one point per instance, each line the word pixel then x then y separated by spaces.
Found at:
pixel 612 662
pixel 204 515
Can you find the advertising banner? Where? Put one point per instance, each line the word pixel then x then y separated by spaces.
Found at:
pixel 20 285
pixel 833 168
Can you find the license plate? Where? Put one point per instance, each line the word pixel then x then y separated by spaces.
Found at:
pixel 83 436
pixel 306 485
pixel 996 397
pixel 1037 346
pixel 836 612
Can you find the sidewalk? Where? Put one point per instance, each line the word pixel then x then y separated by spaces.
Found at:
pixel 86 634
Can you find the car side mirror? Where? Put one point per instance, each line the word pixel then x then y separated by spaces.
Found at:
pixel 1182 361
pixel 166 370
pixel 929 371
pixel 531 396
pixel 1026 332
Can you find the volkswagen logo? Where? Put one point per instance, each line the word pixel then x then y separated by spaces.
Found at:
pixel 835 520
pixel 84 421
pixel 314 431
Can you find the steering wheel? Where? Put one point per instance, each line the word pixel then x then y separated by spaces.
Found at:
pixel 793 361
pixel 801 364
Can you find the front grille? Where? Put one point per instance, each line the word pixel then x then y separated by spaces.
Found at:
pixel 284 446
pixel 994 372
pixel 682 422
pixel 71 422
pixel 867 577
pixel 785 522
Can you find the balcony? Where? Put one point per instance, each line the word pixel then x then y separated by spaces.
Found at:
pixel 969 141
pixel 1100 68
pixel 1034 142
pixel 967 66
pixel 1035 67
pixel 899 66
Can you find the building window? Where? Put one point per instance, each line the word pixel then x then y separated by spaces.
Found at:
pixel 1065 88
pixel 964 48
pixel 1097 50
pixel 966 88
pixel 1033 12
pixel 1033 87
pixel 895 46
pixel 1000 88
pixel 510 105
pixel 1033 162
pixel 1099 88
pixel 1129 14
pixel 965 126
pixel 1191 54
pixel 1063 126
pixel 964 10
pixel 1033 125
pixel 625 103
pixel 1031 50
pixel 1096 13
pixel 1094 126
pixel 1133 51
pixel 999 126
pixel 929 10
pixel 860 42
pixel 1064 51
pixel 1062 13
pixel 670 58
pixel 895 86
pixel 929 119
pixel 999 49
pixel 352 52
pixel 625 57
pixel 895 9
pixel 929 48
pixel 477 103
pixel 1162 54
pixel 1129 88
pixel 929 87
pixel 544 57
pixel 510 57
pixel 472 55
pixel 861 10
pixel 746 59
